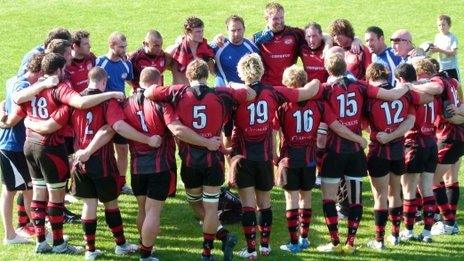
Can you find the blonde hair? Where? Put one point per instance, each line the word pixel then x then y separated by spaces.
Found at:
pixel 197 70
pixel 250 68
pixel 97 74
pixel 273 8
pixel 424 66
pixel 335 65
pixel 294 76
pixel 150 75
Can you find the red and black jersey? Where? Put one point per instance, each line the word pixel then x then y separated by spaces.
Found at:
pixel 140 59
pixel 86 124
pixel 42 107
pixel 357 63
pixel 254 121
pixel 78 71
pixel 205 113
pixel 151 119
pixel 280 52
pixel 299 122
pixel 346 98
pixel 423 132
pixel 446 130
pixel 313 63
pixel 386 116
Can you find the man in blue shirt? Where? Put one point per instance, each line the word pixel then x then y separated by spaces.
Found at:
pixel 233 48
pixel 119 70
pixel 380 52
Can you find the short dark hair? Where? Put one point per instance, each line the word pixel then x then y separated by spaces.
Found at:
pixel 235 18
pixel 52 62
pixel 57 33
pixel 314 25
pixel 58 46
pixel 445 18
pixel 192 22
pixel 77 36
pixel 375 30
pixel 406 71
pixel 35 64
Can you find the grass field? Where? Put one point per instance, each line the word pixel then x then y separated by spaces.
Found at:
pixel 25 24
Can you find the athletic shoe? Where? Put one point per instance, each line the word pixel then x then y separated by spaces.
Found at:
pixel 92 255
pixel 70 217
pixel 407 235
pixel 247 255
pixel 16 240
pixel 437 217
pixel 69 199
pixel 329 247
pixel 67 249
pixel 126 190
pixel 292 248
pixel 43 247
pixel 419 220
pixel 304 243
pixel 150 258
pixel 376 245
pixel 425 236
pixel 27 231
pixel 228 246
pixel 441 228
pixel 394 241
pixel 348 249
pixel 456 228
pixel 125 249
pixel 318 182
pixel 207 258
pixel 264 251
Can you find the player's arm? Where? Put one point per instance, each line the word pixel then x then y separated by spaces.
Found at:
pixel 26 94
pixel 189 136
pixel 344 132
pixel 10 121
pixel 251 94
pixel 129 132
pixel 399 132
pixel 101 138
pixel 310 90
pixel 389 95
pixel 42 127
pixel 432 88
pixel 89 101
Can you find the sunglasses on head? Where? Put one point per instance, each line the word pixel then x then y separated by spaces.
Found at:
pixel 396 40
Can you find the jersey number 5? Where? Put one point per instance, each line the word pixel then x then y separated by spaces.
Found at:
pixel 199 117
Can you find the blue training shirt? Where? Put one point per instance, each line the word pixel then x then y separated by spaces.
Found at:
pixel 27 58
pixel 118 72
pixel 227 58
pixel 12 139
pixel 390 61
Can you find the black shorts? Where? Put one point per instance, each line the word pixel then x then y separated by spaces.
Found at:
pixel 155 185
pixel 69 143
pixel 15 175
pixel 453 73
pixel 379 167
pixel 258 174
pixel 118 139
pixel 302 178
pixel 450 152
pixel 47 163
pixel 85 185
pixel 198 177
pixel 419 159
pixel 338 165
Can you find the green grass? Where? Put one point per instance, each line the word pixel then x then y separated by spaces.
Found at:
pixel 25 24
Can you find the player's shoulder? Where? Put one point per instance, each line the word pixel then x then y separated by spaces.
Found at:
pixel 100 60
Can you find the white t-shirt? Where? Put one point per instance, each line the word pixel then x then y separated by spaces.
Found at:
pixel 447 42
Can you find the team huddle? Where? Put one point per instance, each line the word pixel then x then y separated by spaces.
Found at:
pixel 267 122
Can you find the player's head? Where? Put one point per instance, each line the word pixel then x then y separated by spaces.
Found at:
pixel 153 43
pixel 376 72
pixel 62 47
pixel 53 64
pixel 118 44
pixel 335 65
pixel 313 35
pixel 34 67
pixel 424 68
pixel 81 43
pixel 401 41
pixel 435 63
pixel 405 73
pixel 335 50
pixel 274 15
pixel 250 68
pixel 342 32
pixel 443 23
pixel 294 77
pixel 57 33
pixel 149 76
pixel 97 78
pixel 375 40
pixel 235 29
pixel 194 29
pixel 197 70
